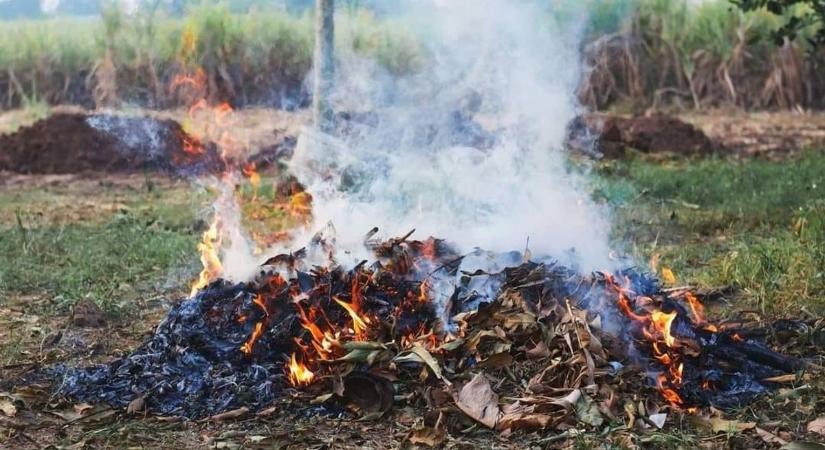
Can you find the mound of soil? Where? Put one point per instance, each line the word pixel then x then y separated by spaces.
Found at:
pixel 74 143
pixel 609 136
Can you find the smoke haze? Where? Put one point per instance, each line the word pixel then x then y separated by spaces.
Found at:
pixel 469 148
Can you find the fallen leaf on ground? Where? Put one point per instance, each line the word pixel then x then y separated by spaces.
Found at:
pixel 429 436
pixel 136 406
pixel 497 361
pixel 588 411
pixel 817 426
pixel 769 437
pixel 478 401
pixel 521 417
pixel 372 394
pixel 234 414
pixel 420 354
pixel 8 408
pixel 719 425
pixel 539 351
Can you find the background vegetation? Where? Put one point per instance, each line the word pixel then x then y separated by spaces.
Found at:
pixel 642 53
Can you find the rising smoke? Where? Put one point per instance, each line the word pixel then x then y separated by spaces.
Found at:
pixel 469 148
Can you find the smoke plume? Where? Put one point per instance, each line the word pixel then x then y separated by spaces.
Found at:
pixel 469 148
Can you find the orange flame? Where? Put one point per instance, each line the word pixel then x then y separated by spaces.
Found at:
pixel 662 322
pixel 259 300
pixel 359 324
pixel 246 348
pixel 669 394
pixel 299 374
pixel 696 307
pixel 212 267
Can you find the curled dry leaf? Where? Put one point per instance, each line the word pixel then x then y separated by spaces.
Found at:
pixel 137 405
pixel 522 417
pixel 420 354
pixel 539 351
pixel 478 401
pixel 372 394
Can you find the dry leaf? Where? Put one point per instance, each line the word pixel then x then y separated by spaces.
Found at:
pixel 769 437
pixel 319 399
pixel 521 417
pixel 539 351
pixel 570 400
pixel 372 394
pixel 719 425
pixel 588 411
pixel 234 414
pixel 478 401
pixel 496 361
pixel 788 378
pixel 137 405
pixel 8 408
pixel 817 426
pixel 431 437
pixel 420 354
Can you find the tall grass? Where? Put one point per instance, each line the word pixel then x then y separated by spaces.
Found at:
pixel 674 52
pixel 255 57
pixel 641 54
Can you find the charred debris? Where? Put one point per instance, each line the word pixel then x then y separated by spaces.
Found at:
pixel 524 344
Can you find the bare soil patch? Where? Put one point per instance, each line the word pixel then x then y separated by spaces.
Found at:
pixel 74 143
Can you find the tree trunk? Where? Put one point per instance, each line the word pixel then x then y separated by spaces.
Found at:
pixel 324 64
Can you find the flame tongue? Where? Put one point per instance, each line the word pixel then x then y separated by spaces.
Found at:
pixel 299 374
pixel 212 267
pixel 657 328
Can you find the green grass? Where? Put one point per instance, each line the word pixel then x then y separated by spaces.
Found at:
pixel 113 245
pixel 756 225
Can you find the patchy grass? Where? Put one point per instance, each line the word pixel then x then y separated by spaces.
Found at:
pixel 755 225
pixel 112 243
pixel 116 242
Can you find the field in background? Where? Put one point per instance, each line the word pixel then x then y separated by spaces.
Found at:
pixel 258 58
pixel 641 54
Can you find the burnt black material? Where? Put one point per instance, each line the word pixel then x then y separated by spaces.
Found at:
pixel 193 365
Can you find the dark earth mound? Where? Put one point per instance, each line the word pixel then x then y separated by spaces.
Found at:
pixel 609 136
pixel 74 143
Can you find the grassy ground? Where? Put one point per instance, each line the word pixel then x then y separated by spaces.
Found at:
pixel 127 244
pixel 753 225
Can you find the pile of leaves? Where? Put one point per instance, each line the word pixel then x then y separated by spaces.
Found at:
pixel 528 345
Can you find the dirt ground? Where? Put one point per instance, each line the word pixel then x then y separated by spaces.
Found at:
pixel 764 134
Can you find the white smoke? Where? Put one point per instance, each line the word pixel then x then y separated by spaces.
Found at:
pixel 421 160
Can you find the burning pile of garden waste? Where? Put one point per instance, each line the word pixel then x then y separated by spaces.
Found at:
pixel 526 344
